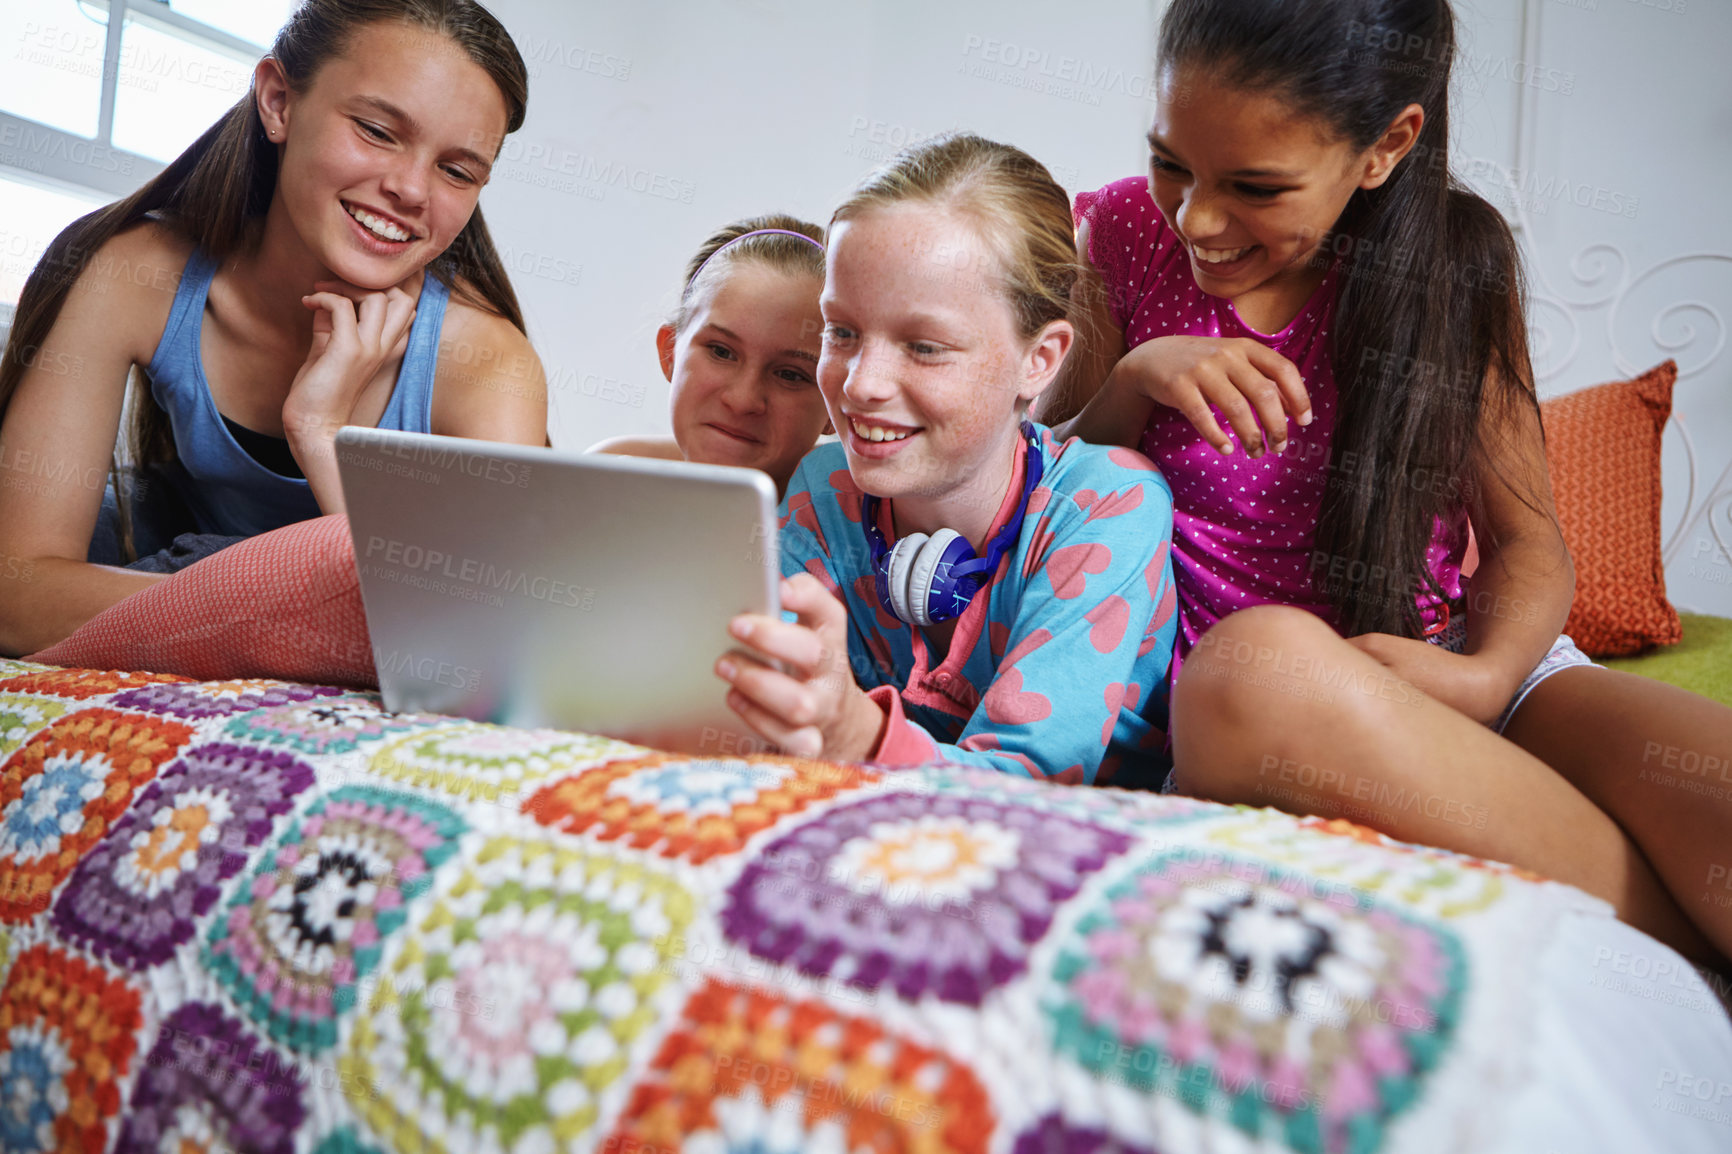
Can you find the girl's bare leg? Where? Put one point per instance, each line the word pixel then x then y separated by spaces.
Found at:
pixel 1656 758
pixel 1274 708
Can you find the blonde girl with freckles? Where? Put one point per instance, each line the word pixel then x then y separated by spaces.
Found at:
pixel 1319 335
pixel 306 264
pixel 741 352
pixel 966 587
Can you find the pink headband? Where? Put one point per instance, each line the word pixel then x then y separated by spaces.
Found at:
pixel 757 232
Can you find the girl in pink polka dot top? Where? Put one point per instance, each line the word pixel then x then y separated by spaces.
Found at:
pixel 1247 521
pixel 1319 337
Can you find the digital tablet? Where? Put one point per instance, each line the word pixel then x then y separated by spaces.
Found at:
pixel 536 587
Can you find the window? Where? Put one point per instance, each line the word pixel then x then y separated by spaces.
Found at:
pixel 34 215
pixel 53 72
pixel 86 116
pixel 255 21
pixel 171 89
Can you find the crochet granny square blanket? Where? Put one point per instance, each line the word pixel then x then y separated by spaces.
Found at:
pixel 266 916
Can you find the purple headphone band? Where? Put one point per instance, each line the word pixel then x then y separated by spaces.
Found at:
pixel 956 582
pixel 747 236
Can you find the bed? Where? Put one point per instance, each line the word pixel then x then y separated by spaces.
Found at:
pixel 271 916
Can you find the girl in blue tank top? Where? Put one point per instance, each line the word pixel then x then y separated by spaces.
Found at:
pixel 237 481
pixel 297 269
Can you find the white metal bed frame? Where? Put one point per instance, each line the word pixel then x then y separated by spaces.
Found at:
pixel 1602 271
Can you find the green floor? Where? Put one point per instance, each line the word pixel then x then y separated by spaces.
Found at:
pixel 1701 663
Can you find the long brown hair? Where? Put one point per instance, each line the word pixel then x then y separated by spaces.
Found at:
pixel 217 192
pixel 1432 298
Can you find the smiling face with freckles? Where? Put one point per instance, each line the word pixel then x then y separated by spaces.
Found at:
pixel 384 155
pixel 744 368
pixel 924 372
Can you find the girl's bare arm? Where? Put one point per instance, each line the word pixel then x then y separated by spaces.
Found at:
pixel 58 437
pixel 660 447
pixel 1520 595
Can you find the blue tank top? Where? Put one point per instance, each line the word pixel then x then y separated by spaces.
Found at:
pixel 228 491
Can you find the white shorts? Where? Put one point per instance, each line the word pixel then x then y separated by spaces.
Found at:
pixel 1562 655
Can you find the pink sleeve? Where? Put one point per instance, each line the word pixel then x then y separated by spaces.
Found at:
pixel 904 743
pixel 1126 232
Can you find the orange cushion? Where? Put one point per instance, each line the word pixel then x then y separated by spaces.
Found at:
pixel 284 604
pixel 1603 446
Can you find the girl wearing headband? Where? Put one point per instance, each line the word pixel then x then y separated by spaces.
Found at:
pixel 945 304
pixel 741 352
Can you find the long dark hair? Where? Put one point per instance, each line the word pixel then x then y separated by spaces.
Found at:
pixel 216 193
pixel 1431 288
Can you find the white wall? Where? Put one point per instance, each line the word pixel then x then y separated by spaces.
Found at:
pixel 1637 156
pixel 1603 131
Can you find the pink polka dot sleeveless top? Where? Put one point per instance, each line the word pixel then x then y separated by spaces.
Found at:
pixel 1244 531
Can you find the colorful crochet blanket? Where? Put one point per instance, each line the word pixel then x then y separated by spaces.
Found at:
pixel 264 916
